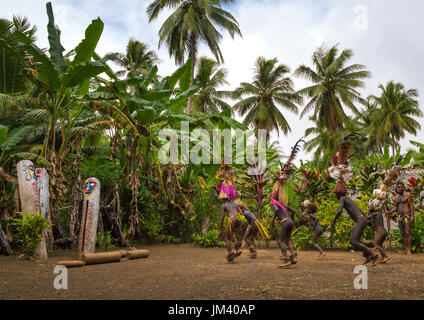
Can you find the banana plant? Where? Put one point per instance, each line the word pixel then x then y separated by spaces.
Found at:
pixel 59 81
pixel 417 156
pixel 3 134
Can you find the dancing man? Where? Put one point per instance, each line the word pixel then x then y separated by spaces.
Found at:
pixel 404 206
pixel 361 221
pixel 376 216
pixel 342 171
pixel 280 204
pixel 231 210
pixel 375 212
pixel 312 223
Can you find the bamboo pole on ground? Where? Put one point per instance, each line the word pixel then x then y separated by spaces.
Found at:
pixel 137 254
pixel 102 257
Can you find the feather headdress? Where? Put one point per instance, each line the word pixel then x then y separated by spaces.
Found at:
pixel 390 177
pixel 228 174
pixel 341 170
pixel 380 194
pixel 283 174
pixel 287 170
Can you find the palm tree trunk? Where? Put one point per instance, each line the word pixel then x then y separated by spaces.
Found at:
pixel 341 131
pixel 193 63
pixel 393 146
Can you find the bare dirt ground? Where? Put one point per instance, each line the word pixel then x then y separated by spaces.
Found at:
pixel 187 272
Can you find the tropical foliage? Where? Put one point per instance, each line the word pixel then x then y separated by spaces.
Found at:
pixel 70 112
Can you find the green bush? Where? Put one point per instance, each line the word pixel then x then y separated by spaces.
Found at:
pixel 29 232
pixel 209 239
pixel 152 227
pixel 104 240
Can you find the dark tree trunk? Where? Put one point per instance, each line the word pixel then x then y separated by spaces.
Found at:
pixel 193 63
pixel 76 194
pixel 4 243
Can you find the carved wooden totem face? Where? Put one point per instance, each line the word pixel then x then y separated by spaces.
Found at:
pixel 89 187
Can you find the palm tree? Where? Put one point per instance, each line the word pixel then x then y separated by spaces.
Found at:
pixel 335 85
pixel 192 22
pixel 271 87
pixel 398 107
pixel 13 59
pixel 137 60
pixel 365 122
pixel 208 78
pixel 324 145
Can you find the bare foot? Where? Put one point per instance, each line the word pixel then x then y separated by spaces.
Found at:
pixel 370 258
pixel 385 260
pixel 284 265
pixel 230 257
pixel 376 260
pixel 322 255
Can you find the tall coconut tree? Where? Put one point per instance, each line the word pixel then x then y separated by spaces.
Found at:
pixel 395 115
pixel 365 122
pixel 208 78
pixel 271 88
pixel 191 23
pixel 137 60
pixel 335 85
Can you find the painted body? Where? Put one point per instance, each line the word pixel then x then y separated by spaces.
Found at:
pixel 404 206
pixel 361 221
pixel 230 209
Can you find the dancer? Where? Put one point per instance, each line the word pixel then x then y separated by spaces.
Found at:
pixel 375 212
pixel 404 206
pixel 341 170
pixel 255 227
pixel 312 223
pixel 279 202
pixel 231 210
pixel 361 221
pixel 376 216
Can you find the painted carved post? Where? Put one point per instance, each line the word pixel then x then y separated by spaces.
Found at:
pixel 43 187
pixel 90 216
pixel 31 200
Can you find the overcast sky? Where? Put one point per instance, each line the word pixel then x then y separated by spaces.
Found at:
pixel 385 36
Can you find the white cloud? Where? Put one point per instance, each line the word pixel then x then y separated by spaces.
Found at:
pixel 287 29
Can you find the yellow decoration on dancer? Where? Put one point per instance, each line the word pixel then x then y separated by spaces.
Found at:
pixel 262 230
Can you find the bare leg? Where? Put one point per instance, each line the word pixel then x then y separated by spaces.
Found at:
pixel 317 233
pixel 285 227
pixel 249 239
pixel 228 243
pixel 357 245
pixel 408 236
pixel 402 228
pixel 379 238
